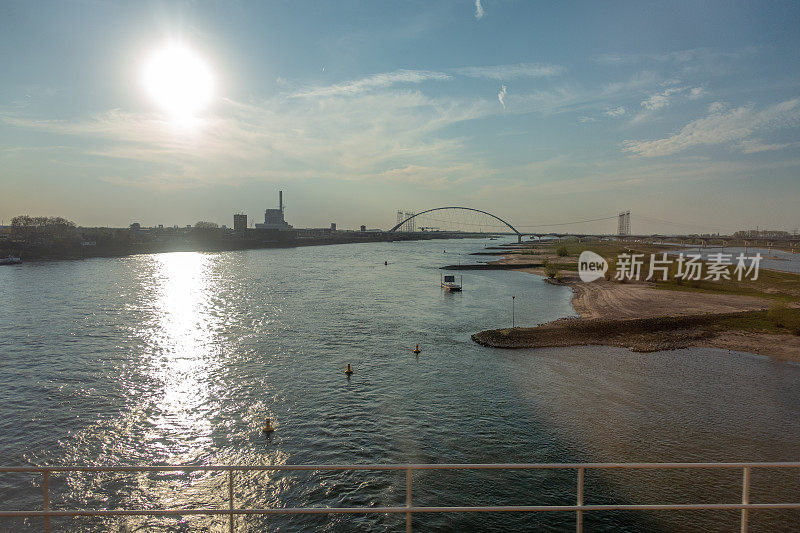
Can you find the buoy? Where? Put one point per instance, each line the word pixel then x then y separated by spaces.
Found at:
pixel 386 263
pixel 416 349
pixel 268 427
pixel 349 370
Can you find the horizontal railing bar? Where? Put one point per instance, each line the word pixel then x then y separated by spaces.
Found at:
pixel 395 510
pixel 442 466
pixel 399 510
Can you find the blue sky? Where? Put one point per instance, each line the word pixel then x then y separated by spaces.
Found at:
pixel 685 113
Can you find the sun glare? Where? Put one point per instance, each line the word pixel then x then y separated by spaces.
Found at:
pixel 178 80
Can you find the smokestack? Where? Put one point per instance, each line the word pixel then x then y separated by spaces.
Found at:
pixel 280 200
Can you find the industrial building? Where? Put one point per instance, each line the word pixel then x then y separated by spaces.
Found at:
pixel 273 218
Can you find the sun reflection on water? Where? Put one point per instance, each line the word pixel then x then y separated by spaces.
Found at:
pixel 182 337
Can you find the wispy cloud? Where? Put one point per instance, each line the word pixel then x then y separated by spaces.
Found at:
pixel 437 177
pixel 754 146
pixel 638 81
pixel 375 81
pixel 662 99
pixel 557 100
pixel 408 76
pixel 640 117
pixel 508 72
pixel 501 95
pixel 479 12
pixel 720 127
pixel 282 138
pixel 676 57
pixel 616 111
pixel 696 92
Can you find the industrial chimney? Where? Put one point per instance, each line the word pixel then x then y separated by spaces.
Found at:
pixel 280 200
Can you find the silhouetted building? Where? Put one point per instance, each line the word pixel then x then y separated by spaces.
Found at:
pixel 333 226
pixel 239 221
pixel 273 218
pixel 363 227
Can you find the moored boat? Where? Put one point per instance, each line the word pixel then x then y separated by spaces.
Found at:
pixel 449 283
pixel 10 260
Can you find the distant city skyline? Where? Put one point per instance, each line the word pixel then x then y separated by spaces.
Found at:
pixel 686 114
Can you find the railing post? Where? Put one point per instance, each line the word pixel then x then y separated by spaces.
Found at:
pixel 230 499
pixel 745 496
pixel 579 503
pixel 46 498
pixel 408 499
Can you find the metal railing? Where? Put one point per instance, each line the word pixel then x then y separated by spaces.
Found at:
pixel 409 510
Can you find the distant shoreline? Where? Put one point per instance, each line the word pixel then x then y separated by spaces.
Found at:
pixel 77 252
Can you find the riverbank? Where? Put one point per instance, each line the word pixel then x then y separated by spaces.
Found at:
pixel 720 330
pixel 106 245
pixel 645 316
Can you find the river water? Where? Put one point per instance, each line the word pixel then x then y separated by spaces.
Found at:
pixel 178 358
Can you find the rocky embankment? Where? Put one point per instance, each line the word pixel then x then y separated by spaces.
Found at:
pixel 638 334
pixel 718 330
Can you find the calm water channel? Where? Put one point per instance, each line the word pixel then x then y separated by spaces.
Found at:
pixel 178 359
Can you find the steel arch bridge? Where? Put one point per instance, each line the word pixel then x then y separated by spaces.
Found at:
pixel 457 207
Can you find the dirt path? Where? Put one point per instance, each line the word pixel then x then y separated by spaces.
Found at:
pixel 609 299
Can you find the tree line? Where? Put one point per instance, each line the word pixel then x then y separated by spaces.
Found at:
pixel 28 227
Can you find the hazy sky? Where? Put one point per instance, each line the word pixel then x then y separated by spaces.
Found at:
pixel 681 112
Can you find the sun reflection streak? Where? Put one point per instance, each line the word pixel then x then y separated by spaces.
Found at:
pixel 182 337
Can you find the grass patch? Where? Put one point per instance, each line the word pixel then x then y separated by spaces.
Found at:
pixel 779 319
pixel 784 317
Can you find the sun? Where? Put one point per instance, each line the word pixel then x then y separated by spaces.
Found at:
pixel 178 80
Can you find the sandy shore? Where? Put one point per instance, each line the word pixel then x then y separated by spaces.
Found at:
pixel 608 299
pixel 640 317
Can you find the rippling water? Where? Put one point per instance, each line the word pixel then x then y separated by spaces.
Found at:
pixel 178 359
